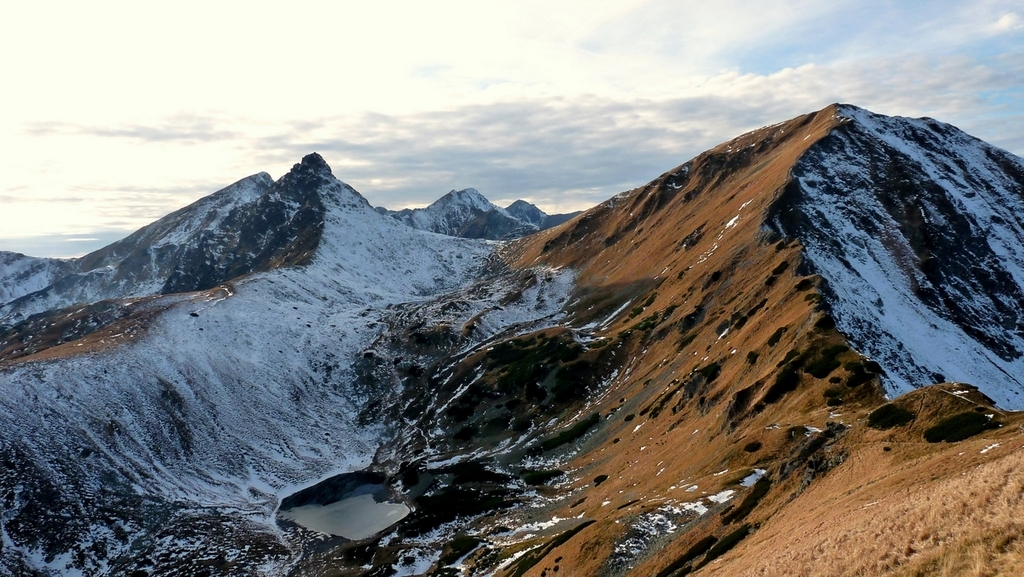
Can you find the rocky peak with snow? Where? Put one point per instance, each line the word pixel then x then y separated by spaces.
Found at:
pixel 253 225
pixel 461 213
pixel 468 214
pixel 531 214
pixel 466 198
pixel 305 181
pixel 527 213
pixel 917 228
pixel 21 274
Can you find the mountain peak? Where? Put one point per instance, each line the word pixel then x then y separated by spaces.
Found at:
pixel 469 214
pixel 306 178
pixel 521 204
pixel 314 163
pixel 470 197
pixel 527 212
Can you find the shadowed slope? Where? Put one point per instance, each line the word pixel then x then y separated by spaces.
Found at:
pixel 917 228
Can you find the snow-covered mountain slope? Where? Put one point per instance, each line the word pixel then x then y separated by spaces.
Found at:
pixel 467 214
pixel 448 214
pixel 211 231
pixel 225 398
pixel 527 213
pixel 918 229
pixel 21 275
pixel 221 236
pixel 463 213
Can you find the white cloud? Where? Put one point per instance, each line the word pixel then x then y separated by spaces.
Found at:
pixel 1009 22
pixel 562 103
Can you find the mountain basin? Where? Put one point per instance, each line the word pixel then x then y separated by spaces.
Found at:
pixel 352 505
pixel 354 518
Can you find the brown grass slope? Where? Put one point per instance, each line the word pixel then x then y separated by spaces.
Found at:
pixel 731 365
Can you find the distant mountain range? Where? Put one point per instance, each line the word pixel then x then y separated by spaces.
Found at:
pixel 249 226
pixel 467 214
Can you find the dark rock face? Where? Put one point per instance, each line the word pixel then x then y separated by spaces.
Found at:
pixel 917 228
pixel 530 214
pixel 281 228
pixel 527 213
pixel 251 226
pixel 337 488
pixel 156 248
pixel 494 225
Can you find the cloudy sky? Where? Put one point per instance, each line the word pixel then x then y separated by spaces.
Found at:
pixel 115 114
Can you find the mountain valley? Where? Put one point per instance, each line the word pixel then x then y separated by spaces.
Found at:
pixel 800 353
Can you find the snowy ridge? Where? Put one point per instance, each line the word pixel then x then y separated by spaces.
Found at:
pixel 231 397
pixel 366 253
pixel 138 265
pixel 181 226
pixel 530 214
pixel 917 228
pixel 527 213
pixel 464 213
pixel 450 213
pixel 21 275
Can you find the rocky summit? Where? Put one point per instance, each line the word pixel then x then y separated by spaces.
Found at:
pixel 468 214
pixel 799 353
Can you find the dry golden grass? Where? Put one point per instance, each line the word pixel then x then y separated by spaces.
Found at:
pixel 916 509
pixel 630 249
pixel 942 514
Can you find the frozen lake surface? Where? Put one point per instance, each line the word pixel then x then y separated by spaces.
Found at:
pixel 353 518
